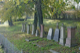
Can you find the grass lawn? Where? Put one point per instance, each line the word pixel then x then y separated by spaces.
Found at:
pixel 15 35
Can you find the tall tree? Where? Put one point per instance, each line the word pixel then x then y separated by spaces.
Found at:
pixel 39 12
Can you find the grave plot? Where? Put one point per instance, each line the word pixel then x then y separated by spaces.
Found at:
pixel 31 38
pixel 43 43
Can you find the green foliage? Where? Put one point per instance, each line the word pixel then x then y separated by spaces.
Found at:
pixel 51 7
pixel 15 9
pixel 77 13
pixel 77 1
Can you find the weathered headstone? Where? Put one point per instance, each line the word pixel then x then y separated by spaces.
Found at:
pixel 28 29
pixel 33 29
pixel 79 48
pixel 50 34
pixel 56 34
pixel 23 27
pixel 70 40
pixel 42 31
pixel 62 35
pixel 37 33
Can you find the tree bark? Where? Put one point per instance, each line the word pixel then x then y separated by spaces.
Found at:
pixel 35 22
pixel 10 22
pixel 39 14
pixel 35 18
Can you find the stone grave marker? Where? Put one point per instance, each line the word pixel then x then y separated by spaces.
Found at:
pixel 37 33
pixel 70 40
pixel 28 29
pixel 79 48
pixel 56 34
pixel 33 29
pixel 23 27
pixel 50 34
pixel 42 31
pixel 62 35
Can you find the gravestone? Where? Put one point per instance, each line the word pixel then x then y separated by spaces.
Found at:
pixel 37 33
pixel 42 31
pixel 62 35
pixel 33 29
pixel 50 34
pixel 28 29
pixel 79 48
pixel 70 40
pixel 56 34
pixel 23 27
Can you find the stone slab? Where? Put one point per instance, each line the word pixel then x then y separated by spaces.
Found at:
pixel 62 39
pixel 42 31
pixel 30 40
pixel 37 33
pixel 70 40
pixel 50 34
pixel 33 29
pixel 28 28
pixel 79 48
pixel 53 51
pixel 56 35
pixel 42 45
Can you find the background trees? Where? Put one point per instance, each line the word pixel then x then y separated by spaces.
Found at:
pixel 14 9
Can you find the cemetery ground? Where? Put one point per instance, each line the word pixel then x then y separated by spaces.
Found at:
pixel 17 37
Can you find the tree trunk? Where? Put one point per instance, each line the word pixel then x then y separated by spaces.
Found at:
pixel 35 17
pixel 35 20
pixel 10 22
pixel 39 14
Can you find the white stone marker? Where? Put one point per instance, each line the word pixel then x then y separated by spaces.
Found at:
pixel 37 33
pixel 28 28
pixel 62 35
pixel 50 34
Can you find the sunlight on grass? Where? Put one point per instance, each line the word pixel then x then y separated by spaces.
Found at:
pixel 51 21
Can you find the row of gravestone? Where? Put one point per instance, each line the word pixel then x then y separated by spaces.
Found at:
pixel 59 34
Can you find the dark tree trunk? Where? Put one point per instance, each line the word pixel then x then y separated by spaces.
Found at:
pixel 39 14
pixel 35 20
pixel 59 16
pixel 10 22
pixel 56 16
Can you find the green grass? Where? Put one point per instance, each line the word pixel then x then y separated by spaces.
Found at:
pixel 1 50
pixel 15 35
